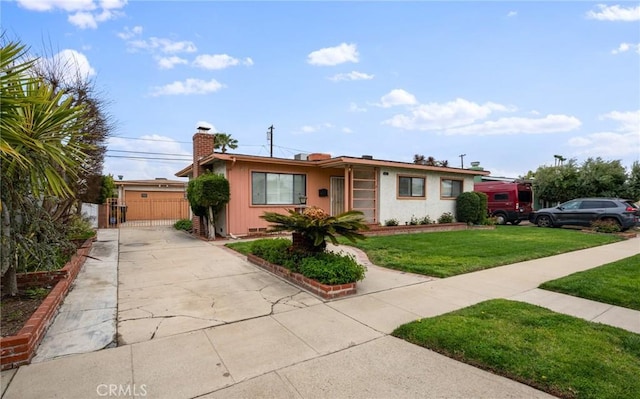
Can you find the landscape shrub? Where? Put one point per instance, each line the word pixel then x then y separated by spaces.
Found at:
pixel 425 220
pixel 183 224
pixel 413 221
pixel 446 217
pixel 391 222
pixel 605 226
pixel 79 228
pixel 471 207
pixel 331 268
pixel 324 267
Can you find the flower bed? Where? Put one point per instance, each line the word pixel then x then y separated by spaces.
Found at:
pixel 323 290
pixel 19 349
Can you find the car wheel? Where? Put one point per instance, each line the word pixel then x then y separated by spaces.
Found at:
pixel 501 218
pixel 516 222
pixel 544 221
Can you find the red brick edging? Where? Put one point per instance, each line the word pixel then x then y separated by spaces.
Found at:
pixel 19 349
pixel 323 290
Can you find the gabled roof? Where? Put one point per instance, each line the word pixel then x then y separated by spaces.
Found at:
pixel 336 162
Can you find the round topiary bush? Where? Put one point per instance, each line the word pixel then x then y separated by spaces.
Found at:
pixel 467 205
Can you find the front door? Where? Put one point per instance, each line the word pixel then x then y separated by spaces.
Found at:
pixel 337 195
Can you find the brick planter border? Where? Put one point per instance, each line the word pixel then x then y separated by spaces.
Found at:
pixel 18 350
pixel 378 230
pixel 323 290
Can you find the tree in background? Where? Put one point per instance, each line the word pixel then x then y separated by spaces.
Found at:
pixel 420 159
pixel 594 178
pixel 63 76
pixel 209 192
pixel 41 151
pixel 223 140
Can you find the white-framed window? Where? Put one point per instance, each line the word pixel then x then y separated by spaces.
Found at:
pixel 277 188
pixel 411 187
pixel 450 188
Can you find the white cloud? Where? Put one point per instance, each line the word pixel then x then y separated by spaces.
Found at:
pixel 139 169
pixel 170 62
pixel 71 63
pixel 624 141
pixel 607 144
pixel 624 47
pixel 167 46
pixel 83 20
pixel 615 13
pixel 353 107
pixel 512 14
pixel 130 33
pixel 436 116
pixel 353 75
pixel 346 130
pixel 189 86
pixel 628 121
pixel 330 56
pixel 315 128
pixel 519 125
pixel 397 97
pixel 219 61
pixel 49 5
pixel 84 14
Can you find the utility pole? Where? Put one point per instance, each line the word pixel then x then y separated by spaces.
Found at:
pixel 270 138
pixel 462 160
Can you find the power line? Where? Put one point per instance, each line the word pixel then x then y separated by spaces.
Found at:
pixel 158 140
pixel 148 158
pixel 154 153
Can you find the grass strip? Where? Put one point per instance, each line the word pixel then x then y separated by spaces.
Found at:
pixel 562 355
pixel 616 283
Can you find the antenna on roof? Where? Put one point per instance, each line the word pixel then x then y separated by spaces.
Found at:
pixel 270 139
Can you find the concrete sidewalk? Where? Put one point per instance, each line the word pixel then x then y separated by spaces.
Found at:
pixel 196 319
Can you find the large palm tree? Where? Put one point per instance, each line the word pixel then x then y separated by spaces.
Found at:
pixel 39 148
pixel 223 140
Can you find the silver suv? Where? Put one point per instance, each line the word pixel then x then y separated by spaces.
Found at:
pixel 584 211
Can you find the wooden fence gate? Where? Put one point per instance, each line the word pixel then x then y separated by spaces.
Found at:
pixel 143 213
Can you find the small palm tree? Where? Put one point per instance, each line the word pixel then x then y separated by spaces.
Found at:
pixel 223 140
pixel 314 226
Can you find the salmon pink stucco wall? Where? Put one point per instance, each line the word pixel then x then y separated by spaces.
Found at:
pixel 243 217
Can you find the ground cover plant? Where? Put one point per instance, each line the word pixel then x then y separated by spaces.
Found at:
pixel 562 355
pixel 445 254
pixel 616 283
pixel 324 267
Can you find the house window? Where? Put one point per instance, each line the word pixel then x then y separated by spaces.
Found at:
pixel 143 195
pixel 411 186
pixel 450 188
pixel 277 188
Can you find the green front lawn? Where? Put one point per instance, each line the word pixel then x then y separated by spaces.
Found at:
pixel 445 254
pixel 616 283
pixel 559 354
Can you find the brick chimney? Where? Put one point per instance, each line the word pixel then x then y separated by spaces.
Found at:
pixel 203 143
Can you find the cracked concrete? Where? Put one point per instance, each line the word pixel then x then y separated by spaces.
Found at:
pixel 208 286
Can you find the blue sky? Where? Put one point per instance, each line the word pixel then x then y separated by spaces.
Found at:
pixel 508 84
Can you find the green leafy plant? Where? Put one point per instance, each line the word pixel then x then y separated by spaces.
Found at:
pixel 37 293
pixel 324 267
pixel 413 221
pixel 606 226
pixel 446 217
pixel 207 195
pixel 79 228
pixel 313 227
pixel 425 220
pixel 183 224
pixel 331 268
pixel 471 207
pixel 391 222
